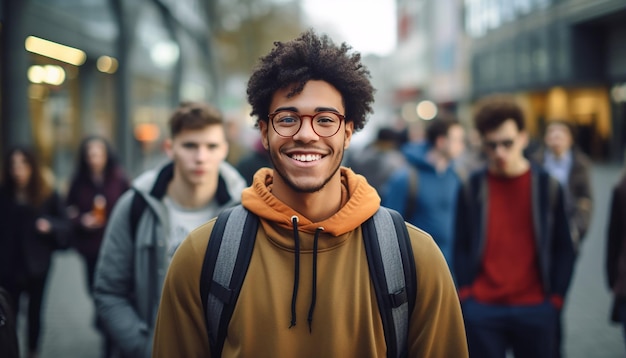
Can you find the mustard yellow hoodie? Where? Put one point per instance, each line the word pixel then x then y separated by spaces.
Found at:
pixel 345 320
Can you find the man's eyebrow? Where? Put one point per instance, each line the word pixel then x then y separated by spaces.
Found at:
pixel 318 109
pixel 326 109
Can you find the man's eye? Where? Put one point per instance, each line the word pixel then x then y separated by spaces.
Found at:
pixel 288 119
pixel 325 119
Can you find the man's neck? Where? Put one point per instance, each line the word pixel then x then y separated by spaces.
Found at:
pixel 317 206
pixel 191 196
pixel 518 168
pixel 559 155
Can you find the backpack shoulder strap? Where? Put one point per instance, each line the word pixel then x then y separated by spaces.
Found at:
pixel 224 269
pixel 137 206
pixel 392 268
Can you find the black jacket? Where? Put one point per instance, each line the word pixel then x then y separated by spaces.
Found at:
pixel 25 252
pixel 553 240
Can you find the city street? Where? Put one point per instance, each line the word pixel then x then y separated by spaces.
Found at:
pixel 68 329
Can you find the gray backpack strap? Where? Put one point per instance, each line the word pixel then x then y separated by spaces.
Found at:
pixel 392 268
pixel 225 265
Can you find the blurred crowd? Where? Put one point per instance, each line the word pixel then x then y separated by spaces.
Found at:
pixel 444 183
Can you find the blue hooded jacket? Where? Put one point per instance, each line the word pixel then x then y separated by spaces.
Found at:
pixel 435 206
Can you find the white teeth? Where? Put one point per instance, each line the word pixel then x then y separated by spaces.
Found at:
pixel 306 157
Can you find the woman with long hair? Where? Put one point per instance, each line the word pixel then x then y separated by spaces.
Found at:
pixel 97 184
pixel 34 225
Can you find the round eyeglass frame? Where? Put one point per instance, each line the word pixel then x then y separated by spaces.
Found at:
pixel 301 116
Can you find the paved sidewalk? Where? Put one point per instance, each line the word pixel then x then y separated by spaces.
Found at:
pixel 67 328
pixel 588 331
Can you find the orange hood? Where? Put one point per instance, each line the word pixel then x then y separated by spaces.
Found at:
pixel 359 202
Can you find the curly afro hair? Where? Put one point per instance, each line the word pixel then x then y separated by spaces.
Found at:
pixel 312 57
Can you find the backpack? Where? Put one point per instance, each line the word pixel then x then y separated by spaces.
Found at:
pixel 390 260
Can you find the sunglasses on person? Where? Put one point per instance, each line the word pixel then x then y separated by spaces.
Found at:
pixel 493 145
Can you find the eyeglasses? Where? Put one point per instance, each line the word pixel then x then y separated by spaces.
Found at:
pixel 287 123
pixel 493 145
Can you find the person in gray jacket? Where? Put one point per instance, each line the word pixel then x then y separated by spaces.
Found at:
pixel 152 218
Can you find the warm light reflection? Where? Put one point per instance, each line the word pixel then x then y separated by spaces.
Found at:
pixel 426 110
pixel 147 132
pixel 36 74
pixel 55 50
pixel 107 64
pixel 49 74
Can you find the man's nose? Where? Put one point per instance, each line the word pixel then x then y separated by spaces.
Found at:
pixel 306 132
pixel 202 154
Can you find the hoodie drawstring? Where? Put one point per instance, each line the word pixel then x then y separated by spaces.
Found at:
pixel 296 276
pixel 314 283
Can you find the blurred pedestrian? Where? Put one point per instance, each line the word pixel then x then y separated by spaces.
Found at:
pixel 514 256
pixel 378 159
pixel 97 184
pixel 425 190
pixel 572 168
pixel 150 221
pixel 36 226
pixel 616 252
pixel 560 156
pixel 309 96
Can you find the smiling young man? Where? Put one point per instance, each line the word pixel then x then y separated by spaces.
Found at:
pixel 308 291
pixel 513 255
pixel 151 220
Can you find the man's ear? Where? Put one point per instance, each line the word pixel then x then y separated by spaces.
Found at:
pixel 225 150
pixel 263 127
pixel 167 147
pixel 523 138
pixel 349 130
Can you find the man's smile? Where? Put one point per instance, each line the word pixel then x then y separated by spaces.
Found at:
pixel 306 157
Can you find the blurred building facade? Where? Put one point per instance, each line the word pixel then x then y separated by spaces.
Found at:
pixel 116 68
pixel 431 68
pixel 563 59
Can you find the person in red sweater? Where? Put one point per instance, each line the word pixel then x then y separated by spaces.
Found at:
pixel 513 256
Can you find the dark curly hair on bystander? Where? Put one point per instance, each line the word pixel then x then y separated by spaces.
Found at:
pixel 312 57
pixel 494 110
